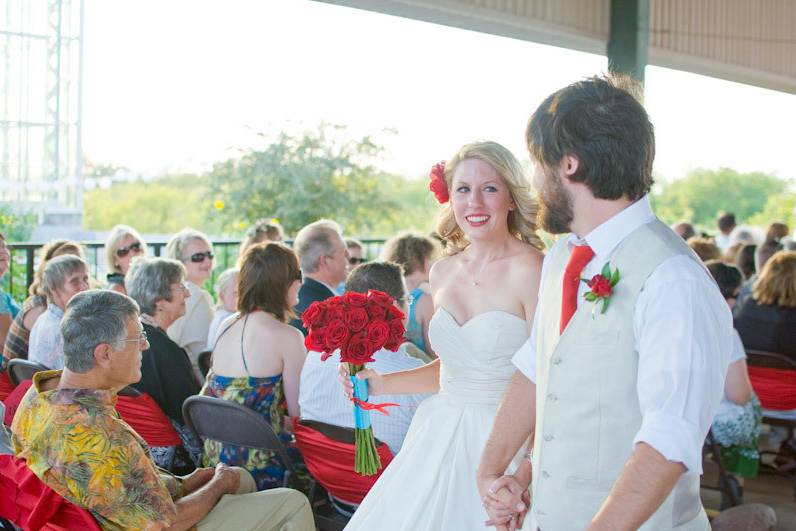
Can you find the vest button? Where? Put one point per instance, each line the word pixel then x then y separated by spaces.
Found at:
pixel 551 397
pixel 556 360
pixel 545 475
pixel 548 438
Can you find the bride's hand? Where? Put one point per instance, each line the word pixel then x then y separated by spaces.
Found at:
pixel 506 496
pixel 375 380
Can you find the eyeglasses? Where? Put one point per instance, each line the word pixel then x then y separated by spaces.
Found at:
pixel 134 247
pixel 198 258
pixel 141 339
pixel 357 261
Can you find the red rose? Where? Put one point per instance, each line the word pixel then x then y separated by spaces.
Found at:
pixel 316 339
pixel 335 311
pixel 358 350
pixel 378 332
pixel 336 334
pixel 313 314
pixel 394 313
pixel 437 184
pixel 396 336
pixel 376 311
pixel 353 298
pixel 379 297
pixel 600 286
pixel 356 318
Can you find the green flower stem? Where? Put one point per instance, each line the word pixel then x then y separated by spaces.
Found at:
pixel 366 462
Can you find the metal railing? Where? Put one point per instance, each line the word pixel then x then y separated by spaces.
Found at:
pixel 25 259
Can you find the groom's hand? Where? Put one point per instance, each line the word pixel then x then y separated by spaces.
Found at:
pixel 505 509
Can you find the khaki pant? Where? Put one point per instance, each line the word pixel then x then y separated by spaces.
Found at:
pixel 268 510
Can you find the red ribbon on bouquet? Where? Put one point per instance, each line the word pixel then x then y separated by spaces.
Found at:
pixel 367 406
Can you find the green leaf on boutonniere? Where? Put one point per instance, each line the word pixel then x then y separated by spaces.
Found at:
pixel 615 277
pixel 591 297
pixel 584 280
pixel 606 272
pixel 606 301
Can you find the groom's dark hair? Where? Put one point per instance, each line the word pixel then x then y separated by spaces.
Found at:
pixel 601 121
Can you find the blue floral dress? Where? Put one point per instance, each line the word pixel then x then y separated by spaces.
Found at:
pixel 266 397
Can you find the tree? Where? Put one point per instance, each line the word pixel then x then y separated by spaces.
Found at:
pixel 704 194
pixel 778 208
pixel 299 179
pixel 16 226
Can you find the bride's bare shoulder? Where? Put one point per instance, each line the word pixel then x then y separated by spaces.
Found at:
pixel 442 269
pixel 527 259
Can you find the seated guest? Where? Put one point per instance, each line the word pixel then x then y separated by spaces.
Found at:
pixel 156 284
pixel 762 254
pixel 743 235
pixel 68 432
pixel 745 260
pixel 8 307
pixel 767 321
pixel 319 393
pixel 704 248
pixel 737 423
pixel 415 253
pixel 63 277
pixel 726 224
pixel 263 230
pixel 684 229
pixel 17 340
pixel 258 357
pixel 324 262
pixel 123 244
pixel 227 293
pixel 195 251
pixel 777 231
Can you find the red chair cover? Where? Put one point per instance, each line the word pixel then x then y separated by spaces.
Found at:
pixel 776 388
pixel 5 386
pixel 331 463
pixel 144 415
pixel 27 502
pixel 12 400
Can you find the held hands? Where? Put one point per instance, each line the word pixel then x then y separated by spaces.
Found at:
pixel 227 478
pixel 375 380
pixel 506 502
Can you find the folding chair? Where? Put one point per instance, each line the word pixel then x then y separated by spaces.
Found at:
pixel 231 423
pixel 727 484
pixel 20 370
pixel 328 452
pixel 766 365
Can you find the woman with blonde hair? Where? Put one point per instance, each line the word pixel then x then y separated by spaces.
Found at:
pixel 123 244
pixel 17 341
pixel 194 250
pixel 416 254
pixel 484 292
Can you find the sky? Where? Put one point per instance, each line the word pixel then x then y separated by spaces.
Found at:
pixel 177 85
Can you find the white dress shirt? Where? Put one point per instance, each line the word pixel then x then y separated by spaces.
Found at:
pixel 321 396
pixel 683 336
pixel 46 343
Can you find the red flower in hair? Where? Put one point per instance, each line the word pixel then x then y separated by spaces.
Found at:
pixel 438 185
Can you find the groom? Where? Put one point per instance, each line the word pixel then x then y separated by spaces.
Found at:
pixel 617 385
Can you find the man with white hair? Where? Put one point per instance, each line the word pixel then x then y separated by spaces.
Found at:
pixel 323 257
pixel 69 434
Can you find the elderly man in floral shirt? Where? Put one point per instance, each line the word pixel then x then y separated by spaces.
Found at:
pixel 67 430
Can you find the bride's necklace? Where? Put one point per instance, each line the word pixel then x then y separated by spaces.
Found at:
pixel 474 275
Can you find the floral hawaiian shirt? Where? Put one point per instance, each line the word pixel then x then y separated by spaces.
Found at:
pixel 74 441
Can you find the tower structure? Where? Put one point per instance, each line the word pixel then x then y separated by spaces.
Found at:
pixel 41 56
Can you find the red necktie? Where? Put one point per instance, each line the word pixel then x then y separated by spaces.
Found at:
pixel 581 254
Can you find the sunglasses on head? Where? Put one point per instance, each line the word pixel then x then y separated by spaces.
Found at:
pixel 356 261
pixel 134 247
pixel 198 258
pixel 298 276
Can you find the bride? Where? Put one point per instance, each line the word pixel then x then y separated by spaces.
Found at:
pixel 484 293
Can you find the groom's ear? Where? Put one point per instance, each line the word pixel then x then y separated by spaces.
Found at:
pixel 569 165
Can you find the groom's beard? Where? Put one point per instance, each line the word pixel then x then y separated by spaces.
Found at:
pixel 555 207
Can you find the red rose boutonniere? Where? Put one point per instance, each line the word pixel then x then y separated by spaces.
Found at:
pixel 438 184
pixel 601 287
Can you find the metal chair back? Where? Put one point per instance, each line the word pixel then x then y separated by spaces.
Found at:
pixel 234 424
pixel 20 370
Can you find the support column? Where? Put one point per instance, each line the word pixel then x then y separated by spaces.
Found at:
pixel 629 37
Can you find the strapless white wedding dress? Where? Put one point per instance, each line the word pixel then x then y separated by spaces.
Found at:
pixel 430 485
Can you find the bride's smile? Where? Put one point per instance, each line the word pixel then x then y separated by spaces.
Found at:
pixel 481 201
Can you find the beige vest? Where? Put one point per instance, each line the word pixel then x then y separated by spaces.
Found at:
pixel 586 399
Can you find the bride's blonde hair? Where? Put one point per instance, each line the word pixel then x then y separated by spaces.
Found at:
pixel 521 220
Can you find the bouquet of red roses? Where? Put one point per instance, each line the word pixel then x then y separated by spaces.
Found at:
pixel 358 325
